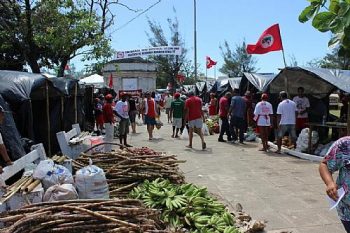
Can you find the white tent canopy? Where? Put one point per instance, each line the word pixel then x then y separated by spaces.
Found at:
pixel 94 79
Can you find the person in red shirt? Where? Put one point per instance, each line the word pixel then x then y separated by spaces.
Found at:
pixel 195 118
pixel 150 111
pixel 212 105
pixel 108 117
pixel 224 105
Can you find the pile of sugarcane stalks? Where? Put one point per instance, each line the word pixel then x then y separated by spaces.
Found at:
pixel 127 215
pixel 24 185
pixel 124 170
pixel 58 159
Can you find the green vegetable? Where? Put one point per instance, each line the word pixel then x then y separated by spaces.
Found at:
pixel 185 206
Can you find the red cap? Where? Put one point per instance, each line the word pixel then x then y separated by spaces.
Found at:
pixel 264 96
pixel 177 95
pixel 108 97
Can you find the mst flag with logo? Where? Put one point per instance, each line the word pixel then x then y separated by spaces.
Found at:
pixel 210 63
pixel 270 40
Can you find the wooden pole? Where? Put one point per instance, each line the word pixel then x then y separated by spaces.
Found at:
pixel 75 103
pixel 48 118
pixel 62 113
pixel 348 119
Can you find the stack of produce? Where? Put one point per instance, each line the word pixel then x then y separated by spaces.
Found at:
pixel 185 206
pixel 125 169
pixel 213 124
pixel 126 215
pixel 58 159
pixel 24 185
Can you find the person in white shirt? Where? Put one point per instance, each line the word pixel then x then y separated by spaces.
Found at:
pixel 3 152
pixel 303 106
pixel 263 115
pixel 286 117
pixel 168 100
pixel 122 111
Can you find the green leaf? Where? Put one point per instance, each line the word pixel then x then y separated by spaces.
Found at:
pixel 323 20
pixel 334 41
pixel 334 6
pixel 307 13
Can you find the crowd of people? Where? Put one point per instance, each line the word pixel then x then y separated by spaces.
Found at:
pixel 236 113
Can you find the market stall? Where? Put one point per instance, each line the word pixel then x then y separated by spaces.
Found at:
pixel 318 84
pixel 33 100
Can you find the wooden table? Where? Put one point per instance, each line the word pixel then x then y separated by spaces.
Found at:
pixel 326 125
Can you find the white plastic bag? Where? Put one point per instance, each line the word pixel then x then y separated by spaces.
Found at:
pixel 184 134
pixel 205 129
pixel 91 183
pixel 60 192
pixel 51 174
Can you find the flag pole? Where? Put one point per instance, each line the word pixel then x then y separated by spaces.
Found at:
pixel 215 71
pixel 195 39
pixel 206 73
pixel 284 61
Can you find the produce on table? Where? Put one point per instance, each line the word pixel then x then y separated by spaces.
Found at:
pixel 116 215
pixel 213 124
pixel 125 169
pixel 185 206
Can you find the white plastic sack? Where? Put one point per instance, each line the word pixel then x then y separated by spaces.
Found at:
pixel 91 183
pixel 205 129
pixel 43 168
pixel 51 174
pixel 60 192
pixel 184 134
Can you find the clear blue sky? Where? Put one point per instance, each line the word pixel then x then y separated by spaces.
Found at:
pixel 222 20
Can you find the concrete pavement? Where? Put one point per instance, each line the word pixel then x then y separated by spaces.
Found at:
pixel 283 190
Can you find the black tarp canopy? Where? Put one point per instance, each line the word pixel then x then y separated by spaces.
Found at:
pixel 31 98
pixel 318 82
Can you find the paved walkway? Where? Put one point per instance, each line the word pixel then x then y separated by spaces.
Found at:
pixel 285 191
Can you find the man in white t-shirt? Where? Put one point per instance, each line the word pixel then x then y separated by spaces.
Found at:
pixel 168 100
pixel 286 117
pixel 3 152
pixel 303 106
pixel 122 111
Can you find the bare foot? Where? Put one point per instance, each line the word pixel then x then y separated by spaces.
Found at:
pixel 188 146
pixel 9 163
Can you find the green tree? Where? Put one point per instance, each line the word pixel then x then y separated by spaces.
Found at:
pixel 237 61
pixel 332 60
pixel 170 65
pixel 331 16
pixel 49 33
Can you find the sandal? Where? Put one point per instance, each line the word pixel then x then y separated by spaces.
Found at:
pixel 204 145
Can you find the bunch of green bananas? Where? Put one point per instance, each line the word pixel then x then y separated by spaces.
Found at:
pixel 186 206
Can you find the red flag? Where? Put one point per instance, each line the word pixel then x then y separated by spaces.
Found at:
pixel 66 67
pixel 210 63
pixel 180 77
pixel 270 40
pixel 110 84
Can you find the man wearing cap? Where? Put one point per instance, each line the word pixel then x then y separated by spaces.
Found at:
pixel 108 118
pixel 286 117
pixel 195 117
pixel 177 113
pixel 122 111
pixel 3 152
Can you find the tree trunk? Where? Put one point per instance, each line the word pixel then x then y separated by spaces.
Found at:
pixel 64 62
pixel 33 64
